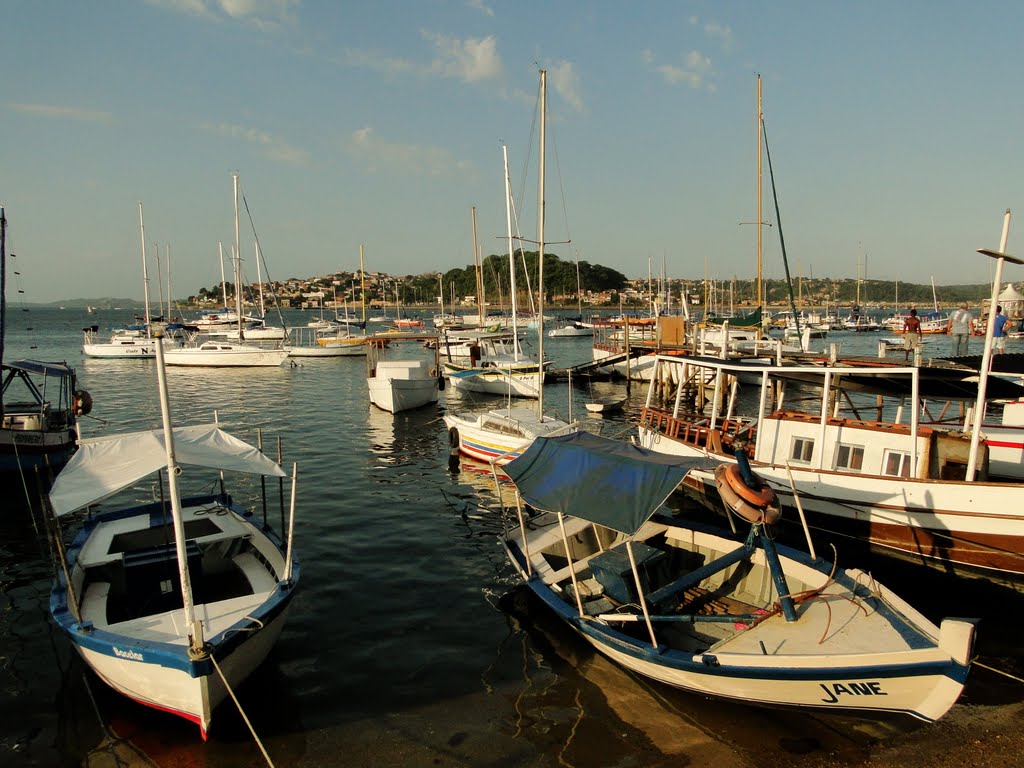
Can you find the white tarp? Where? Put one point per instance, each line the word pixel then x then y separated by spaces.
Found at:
pixel 103 466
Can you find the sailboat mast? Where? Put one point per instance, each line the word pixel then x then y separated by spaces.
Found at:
pixel 259 279
pixel 511 255
pixel 168 315
pixel 540 242
pixel 3 291
pixel 195 628
pixel 238 263
pixel 362 286
pixel 223 280
pixel 760 218
pixel 145 273
pixel 479 281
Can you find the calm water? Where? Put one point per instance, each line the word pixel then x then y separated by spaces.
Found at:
pixel 400 649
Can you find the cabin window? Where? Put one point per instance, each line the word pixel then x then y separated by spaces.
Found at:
pixel 896 464
pixel 803 450
pixel 850 457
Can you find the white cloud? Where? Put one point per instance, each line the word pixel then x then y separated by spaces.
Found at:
pixel 405 158
pixel 566 82
pixel 697 72
pixel 263 13
pixel 275 148
pixel 470 60
pixel 63 113
pixel 478 5
pixel 715 31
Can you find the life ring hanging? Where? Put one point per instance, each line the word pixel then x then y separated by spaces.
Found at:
pixel 758 505
pixel 81 402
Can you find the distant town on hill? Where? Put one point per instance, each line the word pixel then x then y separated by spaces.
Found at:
pixel 599 286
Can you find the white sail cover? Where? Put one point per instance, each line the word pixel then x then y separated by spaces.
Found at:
pixel 103 466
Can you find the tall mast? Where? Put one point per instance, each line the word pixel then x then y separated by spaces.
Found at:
pixel 540 241
pixel 145 273
pixel 223 280
pixel 259 279
pixel 479 282
pixel 511 255
pixel 3 290
pixel 760 219
pixel 238 264
pixel 168 316
pixel 362 287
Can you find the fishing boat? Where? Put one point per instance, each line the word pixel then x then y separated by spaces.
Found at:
pixel 40 402
pixel 174 603
pixel 737 618
pixel 402 384
pixel 229 353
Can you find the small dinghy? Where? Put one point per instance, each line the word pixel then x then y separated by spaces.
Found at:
pixel 703 610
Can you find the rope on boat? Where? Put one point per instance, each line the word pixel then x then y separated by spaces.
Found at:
pixel 241 711
pixel 977 663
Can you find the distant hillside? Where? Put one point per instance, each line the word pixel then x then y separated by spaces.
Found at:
pixel 104 303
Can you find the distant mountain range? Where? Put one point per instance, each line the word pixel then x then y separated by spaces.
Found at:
pixel 104 303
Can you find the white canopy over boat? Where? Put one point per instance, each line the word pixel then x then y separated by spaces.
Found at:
pixel 103 466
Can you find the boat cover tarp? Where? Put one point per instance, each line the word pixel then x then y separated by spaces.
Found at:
pixel 41 368
pixel 608 482
pixel 103 466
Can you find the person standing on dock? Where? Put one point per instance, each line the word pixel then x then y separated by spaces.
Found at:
pixel 960 329
pixel 911 334
pixel 999 332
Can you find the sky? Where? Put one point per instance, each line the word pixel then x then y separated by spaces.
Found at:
pixel 894 131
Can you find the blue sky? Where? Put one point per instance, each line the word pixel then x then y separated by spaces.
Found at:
pixel 895 131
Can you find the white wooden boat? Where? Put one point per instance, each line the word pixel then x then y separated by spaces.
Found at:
pixel 571 329
pixel 401 385
pixel 605 404
pixel 710 613
pixel 171 604
pixel 854 439
pixel 500 435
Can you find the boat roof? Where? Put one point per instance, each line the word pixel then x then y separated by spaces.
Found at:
pixel 41 368
pixel 105 465
pixel 874 376
pixel 608 482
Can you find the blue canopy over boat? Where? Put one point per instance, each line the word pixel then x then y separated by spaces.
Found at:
pixel 608 482
pixel 41 368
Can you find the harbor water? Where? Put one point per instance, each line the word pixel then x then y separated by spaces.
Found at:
pixel 406 644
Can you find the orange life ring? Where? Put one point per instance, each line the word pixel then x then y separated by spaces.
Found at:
pixel 761 496
pixel 765 511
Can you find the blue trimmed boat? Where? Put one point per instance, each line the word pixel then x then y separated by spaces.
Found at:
pixel 172 603
pixel 705 611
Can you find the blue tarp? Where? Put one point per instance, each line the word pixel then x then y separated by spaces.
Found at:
pixel 43 369
pixel 608 482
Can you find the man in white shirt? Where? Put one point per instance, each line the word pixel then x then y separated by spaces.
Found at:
pixel 960 329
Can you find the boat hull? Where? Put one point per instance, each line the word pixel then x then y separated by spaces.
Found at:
pixel 847 670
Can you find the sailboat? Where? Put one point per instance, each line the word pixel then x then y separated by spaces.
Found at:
pixel 39 402
pixel 499 435
pixel 133 341
pixel 513 374
pixel 175 603
pixel 228 353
